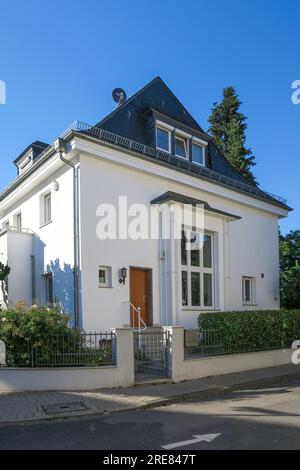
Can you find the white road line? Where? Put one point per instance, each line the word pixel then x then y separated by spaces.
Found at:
pixel 202 438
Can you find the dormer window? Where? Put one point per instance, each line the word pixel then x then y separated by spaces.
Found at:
pixel 198 154
pixel 163 139
pixel 181 147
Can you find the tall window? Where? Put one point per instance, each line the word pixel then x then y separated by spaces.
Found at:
pixel 19 221
pixel 163 139
pixel 197 271
pixel 198 154
pixel 47 209
pixel 248 290
pixel 49 289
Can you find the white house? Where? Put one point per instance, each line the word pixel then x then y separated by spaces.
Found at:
pixel 151 151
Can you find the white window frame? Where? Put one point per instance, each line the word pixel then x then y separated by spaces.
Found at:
pixel 108 276
pixel 197 144
pixel 198 269
pixel 252 290
pixel 18 218
pixel 186 146
pixel 165 129
pixel 45 217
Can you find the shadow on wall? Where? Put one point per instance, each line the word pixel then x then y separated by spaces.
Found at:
pixel 63 287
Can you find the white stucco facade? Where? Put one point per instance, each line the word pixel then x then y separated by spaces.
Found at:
pixel 247 247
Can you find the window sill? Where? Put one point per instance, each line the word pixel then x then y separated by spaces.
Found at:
pixel 45 224
pixel 200 309
pixel 105 287
pixel 250 305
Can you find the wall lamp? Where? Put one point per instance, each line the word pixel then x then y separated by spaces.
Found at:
pixel 123 274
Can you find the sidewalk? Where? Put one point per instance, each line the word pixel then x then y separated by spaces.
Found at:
pixel 23 406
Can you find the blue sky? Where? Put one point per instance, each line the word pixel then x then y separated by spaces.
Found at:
pixel 61 59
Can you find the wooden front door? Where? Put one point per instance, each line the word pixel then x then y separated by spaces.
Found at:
pixel 139 295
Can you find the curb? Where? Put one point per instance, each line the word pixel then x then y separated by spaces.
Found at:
pixel 160 402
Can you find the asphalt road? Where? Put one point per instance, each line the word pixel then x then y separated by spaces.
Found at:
pixel 259 417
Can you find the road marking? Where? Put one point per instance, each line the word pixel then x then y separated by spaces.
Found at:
pixel 204 437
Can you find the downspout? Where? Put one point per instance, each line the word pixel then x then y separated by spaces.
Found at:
pixel 60 147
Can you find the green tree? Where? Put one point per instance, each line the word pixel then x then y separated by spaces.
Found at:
pixel 290 269
pixel 227 128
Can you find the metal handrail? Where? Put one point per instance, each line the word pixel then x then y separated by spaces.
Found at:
pixel 106 136
pixel 140 320
pixel 22 230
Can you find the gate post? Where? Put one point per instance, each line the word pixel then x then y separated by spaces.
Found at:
pixel 175 350
pixel 125 355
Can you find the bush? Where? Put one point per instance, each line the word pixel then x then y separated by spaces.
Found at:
pixel 253 330
pixel 25 330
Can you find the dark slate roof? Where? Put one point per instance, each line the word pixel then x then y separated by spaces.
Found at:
pixel 182 199
pixel 134 120
pixel 37 148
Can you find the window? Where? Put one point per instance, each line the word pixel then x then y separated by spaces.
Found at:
pixel 248 290
pixel 49 288
pixel 198 154
pixel 163 139
pixel 18 223
pixel 197 272
pixel 105 276
pixel 181 148
pixel 46 209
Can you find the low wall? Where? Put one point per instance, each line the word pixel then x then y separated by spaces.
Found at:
pixel 185 369
pixel 76 378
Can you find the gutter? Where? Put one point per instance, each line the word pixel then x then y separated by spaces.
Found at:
pixel 60 147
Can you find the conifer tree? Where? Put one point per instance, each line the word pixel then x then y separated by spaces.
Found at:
pixel 227 128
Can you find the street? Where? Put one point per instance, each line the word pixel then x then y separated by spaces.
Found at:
pixel 256 417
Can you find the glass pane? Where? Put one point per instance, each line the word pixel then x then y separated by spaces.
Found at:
pixel 247 287
pixel 195 249
pixel 183 249
pixel 207 251
pixel 102 276
pixel 195 283
pixel 184 284
pixel 198 154
pixel 208 290
pixel 180 147
pixel 162 139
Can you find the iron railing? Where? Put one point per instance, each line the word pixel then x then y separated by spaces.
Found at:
pixel 204 343
pixel 166 158
pixel 64 350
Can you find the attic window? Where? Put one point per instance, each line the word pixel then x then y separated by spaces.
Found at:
pixel 163 139
pixel 181 147
pixel 198 154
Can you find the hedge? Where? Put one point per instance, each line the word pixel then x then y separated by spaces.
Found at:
pixel 253 330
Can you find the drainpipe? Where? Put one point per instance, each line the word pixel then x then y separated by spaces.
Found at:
pixel 60 147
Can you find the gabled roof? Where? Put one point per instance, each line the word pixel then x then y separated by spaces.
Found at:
pixel 37 148
pixel 134 120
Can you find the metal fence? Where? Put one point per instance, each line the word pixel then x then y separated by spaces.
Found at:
pixel 64 350
pixel 204 343
pixel 151 354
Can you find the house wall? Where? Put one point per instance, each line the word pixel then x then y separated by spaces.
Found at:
pixel 52 244
pixel 247 247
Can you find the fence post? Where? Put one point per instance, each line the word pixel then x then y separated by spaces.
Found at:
pixel 175 351
pixel 125 355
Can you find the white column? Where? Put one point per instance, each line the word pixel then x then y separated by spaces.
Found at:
pixel 176 351
pixel 125 355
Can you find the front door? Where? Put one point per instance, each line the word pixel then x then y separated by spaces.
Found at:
pixel 139 295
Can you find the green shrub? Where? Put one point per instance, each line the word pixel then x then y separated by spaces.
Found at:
pixel 25 330
pixel 253 330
